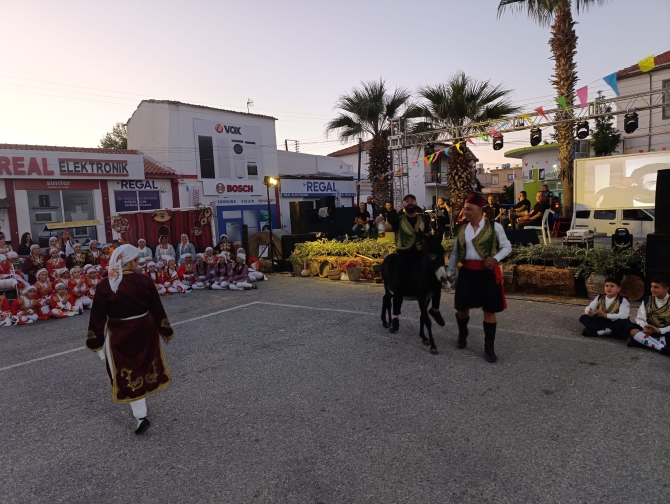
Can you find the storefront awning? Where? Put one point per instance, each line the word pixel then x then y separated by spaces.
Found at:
pixel 75 224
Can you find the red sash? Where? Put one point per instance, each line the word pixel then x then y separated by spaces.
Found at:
pixel 479 266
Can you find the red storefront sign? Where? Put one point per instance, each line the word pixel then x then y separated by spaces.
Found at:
pixel 55 184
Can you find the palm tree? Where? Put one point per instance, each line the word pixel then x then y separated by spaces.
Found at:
pixel 563 43
pixel 365 112
pixel 457 103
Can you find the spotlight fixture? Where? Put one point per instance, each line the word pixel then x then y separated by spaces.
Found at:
pixel 535 136
pixel 582 130
pixel 630 122
pixel 497 142
pixel 270 181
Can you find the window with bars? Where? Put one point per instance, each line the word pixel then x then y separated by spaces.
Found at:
pixel 666 99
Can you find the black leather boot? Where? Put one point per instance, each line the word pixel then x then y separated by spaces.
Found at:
pixel 489 339
pixel 462 332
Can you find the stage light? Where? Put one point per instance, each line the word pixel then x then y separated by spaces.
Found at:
pixel 497 142
pixel 270 181
pixel 582 130
pixel 630 122
pixel 535 136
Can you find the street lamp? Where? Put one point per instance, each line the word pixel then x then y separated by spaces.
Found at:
pixel 270 182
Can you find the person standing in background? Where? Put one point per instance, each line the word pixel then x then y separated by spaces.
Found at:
pixel 24 246
pixel 441 218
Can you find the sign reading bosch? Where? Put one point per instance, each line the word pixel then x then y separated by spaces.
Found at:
pixel 292 188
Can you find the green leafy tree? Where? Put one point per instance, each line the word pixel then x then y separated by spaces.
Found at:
pixel 457 103
pixel 507 195
pixel 116 139
pixel 606 137
pixel 365 112
pixel 563 42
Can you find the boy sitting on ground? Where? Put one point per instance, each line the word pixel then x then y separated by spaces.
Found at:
pixel 608 313
pixel 653 319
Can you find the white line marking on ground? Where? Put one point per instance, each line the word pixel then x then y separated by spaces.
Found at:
pixel 315 308
pixel 84 348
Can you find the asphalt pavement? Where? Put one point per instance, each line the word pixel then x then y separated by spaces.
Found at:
pixel 294 393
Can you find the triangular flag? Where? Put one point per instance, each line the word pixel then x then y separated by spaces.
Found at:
pixel 583 95
pixel 470 140
pixel 425 160
pixel 646 64
pixel 458 147
pixel 610 80
pixel 540 111
pixel 563 103
pixel 446 153
pixel 527 118
pixel 431 158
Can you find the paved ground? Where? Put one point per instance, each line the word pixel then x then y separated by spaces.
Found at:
pixel 297 395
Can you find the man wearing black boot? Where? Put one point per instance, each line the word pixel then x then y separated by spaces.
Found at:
pixel 411 229
pixel 480 245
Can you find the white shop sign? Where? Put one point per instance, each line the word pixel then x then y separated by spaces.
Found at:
pixel 301 188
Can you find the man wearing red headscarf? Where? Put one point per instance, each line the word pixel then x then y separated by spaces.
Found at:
pixel 480 245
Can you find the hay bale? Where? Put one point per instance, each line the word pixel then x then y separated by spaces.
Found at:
pixel 263 238
pixel 545 280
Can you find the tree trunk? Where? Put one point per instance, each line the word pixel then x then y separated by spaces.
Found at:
pixel 378 168
pixel 563 43
pixel 460 179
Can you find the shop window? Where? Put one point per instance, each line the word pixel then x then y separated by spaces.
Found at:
pixel 61 206
pixel 495 179
pixel 510 178
pixel 132 201
pixel 252 171
pixel 206 149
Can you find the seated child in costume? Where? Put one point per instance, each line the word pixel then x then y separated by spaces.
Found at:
pixel 156 277
pixel 240 276
pixel 5 312
pixel 93 280
pixel 43 295
pixel 203 276
pixel 608 313
pixel 652 323
pixel 62 302
pixel 222 272
pixel 78 287
pixel 24 309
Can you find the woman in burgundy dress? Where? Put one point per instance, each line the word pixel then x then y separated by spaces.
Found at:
pixel 126 325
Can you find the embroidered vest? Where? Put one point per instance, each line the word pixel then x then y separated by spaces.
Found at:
pixel 614 307
pixel 658 317
pixel 78 260
pixel 94 257
pixel 409 236
pixel 485 243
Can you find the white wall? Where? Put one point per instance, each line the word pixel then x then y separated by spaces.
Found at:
pixel 296 163
pixel 660 128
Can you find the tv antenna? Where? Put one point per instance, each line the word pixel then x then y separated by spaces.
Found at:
pixel 250 104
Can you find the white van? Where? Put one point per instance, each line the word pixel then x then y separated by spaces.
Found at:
pixel 638 221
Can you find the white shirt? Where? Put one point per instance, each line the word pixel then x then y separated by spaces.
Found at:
pixel 641 318
pixel 624 308
pixel 471 253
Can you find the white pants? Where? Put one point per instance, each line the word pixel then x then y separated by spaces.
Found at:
pixel 655 343
pixel 139 407
pixel 256 276
pixel 161 290
pixel 56 311
pixel 26 319
pixel 220 286
pixel 6 322
pixel 83 302
pixel 240 286
pixel 200 285
pixel 45 310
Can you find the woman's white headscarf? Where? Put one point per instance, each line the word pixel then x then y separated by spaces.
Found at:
pixel 121 256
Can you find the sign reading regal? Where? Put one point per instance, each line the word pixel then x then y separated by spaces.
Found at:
pixel 27 164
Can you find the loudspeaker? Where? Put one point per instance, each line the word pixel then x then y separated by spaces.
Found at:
pixel 658 251
pixel 288 243
pixel 522 236
pixel 327 201
pixel 662 218
pixel 299 214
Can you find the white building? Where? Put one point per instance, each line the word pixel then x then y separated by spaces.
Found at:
pixel 221 158
pixel 653 132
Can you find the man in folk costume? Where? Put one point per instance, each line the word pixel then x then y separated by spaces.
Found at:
pixel 78 287
pixel 93 254
pixel 126 324
pixel 55 263
pixel 186 271
pixel 43 296
pixel 77 258
pixel 25 308
pixel 480 246
pixel 411 229
pixel 62 302
pixel 652 323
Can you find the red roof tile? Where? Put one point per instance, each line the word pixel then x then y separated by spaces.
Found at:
pixel 154 169
pixel 659 60
pixel 367 145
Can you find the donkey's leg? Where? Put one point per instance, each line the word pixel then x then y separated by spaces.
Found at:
pixel 386 307
pixel 423 304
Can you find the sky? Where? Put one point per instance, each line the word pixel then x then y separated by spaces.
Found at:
pixel 70 70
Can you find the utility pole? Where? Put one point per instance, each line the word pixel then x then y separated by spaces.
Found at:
pixel 286 145
pixel 358 186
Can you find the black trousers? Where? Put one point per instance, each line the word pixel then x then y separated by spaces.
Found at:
pixel 618 327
